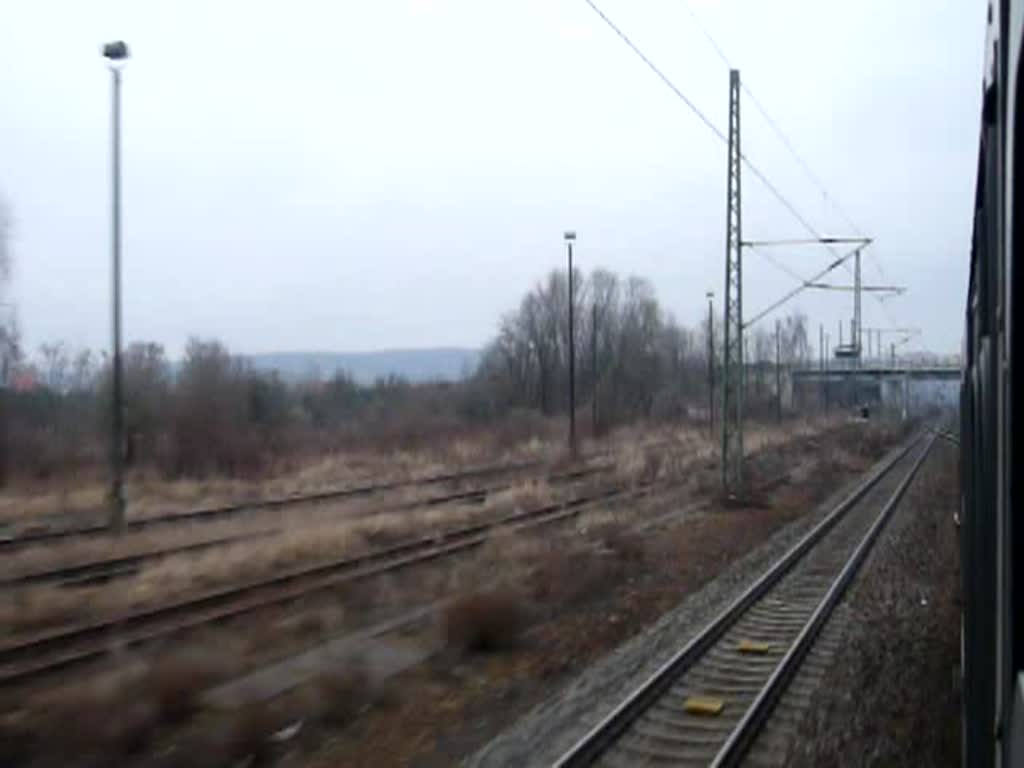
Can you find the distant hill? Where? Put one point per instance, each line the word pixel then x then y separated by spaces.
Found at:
pixel 440 363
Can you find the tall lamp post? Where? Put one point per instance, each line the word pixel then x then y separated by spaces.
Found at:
pixel 711 365
pixel 116 53
pixel 570 237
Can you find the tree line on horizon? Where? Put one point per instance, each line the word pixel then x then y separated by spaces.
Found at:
pixel 215 413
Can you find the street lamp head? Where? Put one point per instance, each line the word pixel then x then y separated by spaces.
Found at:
pixel 116 51
pixel 710 294
pixel 570 235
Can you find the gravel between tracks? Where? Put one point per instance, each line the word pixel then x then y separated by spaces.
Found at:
pixel 901 653
pixel 553 727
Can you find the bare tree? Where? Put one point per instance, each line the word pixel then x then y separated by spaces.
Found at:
pixel 146 395
pixel 643 359
pixel 82 377
pixel 210 429
pixel 10 352
pixel 54 366
pixel 5 243
pixel 796 347
pixel 10 349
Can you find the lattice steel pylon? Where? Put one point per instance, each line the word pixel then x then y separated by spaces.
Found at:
pixel 732 355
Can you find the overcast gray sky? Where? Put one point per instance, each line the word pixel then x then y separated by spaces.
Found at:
pixel 396 173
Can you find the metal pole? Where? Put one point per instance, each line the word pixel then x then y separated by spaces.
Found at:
pixel 572 363
pixel 778 372
pixel 593 345
pixel 711 367
pixel 855 338
pixel 828 352
pixel 117 425
pixel 733 369
pixel 821 365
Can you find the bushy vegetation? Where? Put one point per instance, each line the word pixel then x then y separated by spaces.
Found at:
pixel 632 356
pixel 213 413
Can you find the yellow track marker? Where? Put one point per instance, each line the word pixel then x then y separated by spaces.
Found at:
pixel 754 646
pixel 703 705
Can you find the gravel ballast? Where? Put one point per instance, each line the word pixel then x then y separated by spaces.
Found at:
pixel 894 699
pixel 551 728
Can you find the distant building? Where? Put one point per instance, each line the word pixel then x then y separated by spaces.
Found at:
pixel 24 381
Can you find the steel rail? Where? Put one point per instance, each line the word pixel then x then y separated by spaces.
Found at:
pixel 757 714
pixel 210 514
pixel 92 571
pixel 102 569
pixel 19 661
pixel 607 732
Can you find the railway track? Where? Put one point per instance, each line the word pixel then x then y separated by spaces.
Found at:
pixel 707 704
pixel 33 657
pixel 213 514
pixel 107 569
pixel 92 572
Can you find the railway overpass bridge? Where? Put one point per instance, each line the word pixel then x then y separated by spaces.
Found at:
pixel 907 389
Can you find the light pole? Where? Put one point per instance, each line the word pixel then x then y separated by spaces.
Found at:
pixel 116 53
pixel 778 373
pixel 711 365
pixel 570 236
pixel 593 354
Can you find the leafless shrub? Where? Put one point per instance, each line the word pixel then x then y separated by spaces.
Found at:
pixel 176 682
pixel 564 574
pixel 247 734
pixel 343 693
pixel 627 546
pixel 93 723
pixel 485 621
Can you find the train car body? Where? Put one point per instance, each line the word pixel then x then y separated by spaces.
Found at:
pixel 992 529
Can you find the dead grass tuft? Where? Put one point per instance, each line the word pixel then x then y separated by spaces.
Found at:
pixel 639 464
pixel 485 621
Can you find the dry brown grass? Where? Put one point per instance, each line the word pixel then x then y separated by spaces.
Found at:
pixel 151 494
pixel 329 530
pixel 506 584
pixel 524 495
pixel 324 537
pixel 115 714
pixel 75 724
